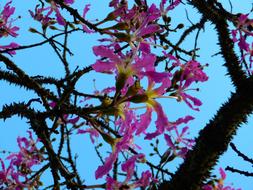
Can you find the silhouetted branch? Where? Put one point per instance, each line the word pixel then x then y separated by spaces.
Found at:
pixel 240 154
pixel 213 141
pixel 248 174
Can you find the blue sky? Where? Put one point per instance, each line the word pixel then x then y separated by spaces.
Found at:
pixel 42 61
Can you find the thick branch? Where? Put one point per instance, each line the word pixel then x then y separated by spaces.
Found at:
pixel 218 18
pixel 213 141
pixel 28 81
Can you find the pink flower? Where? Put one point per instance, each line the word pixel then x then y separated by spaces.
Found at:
pixel 129 168
pixel 192 72
pixel 152 104
pixel 6 23
pixel 179 151
pixel 145 180
pixel 243 23
pixel 124 64
pixel 145 29
pixel 10 46
pixel 118 145
pixel 189 73
pixel 28 155
pixel 44 15
pixel 45 20
pixel 164 10
pixel 20 165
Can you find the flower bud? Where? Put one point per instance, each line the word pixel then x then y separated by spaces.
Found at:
pixel 180 26
pixel 107 138
pixel 134 89
pixel 141 98
pixel 121 79
pixel 122 36
pixel 106 101
pixel 33 30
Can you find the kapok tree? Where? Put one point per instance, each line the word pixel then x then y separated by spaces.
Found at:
pixel 147 68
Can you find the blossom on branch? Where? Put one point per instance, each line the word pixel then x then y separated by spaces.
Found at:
pixel 6 27
pixel 16 175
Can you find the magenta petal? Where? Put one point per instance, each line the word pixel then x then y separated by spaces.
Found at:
pixel 166 83
pixel 243 44
pixel 169 141
pixel 184 131
pixel 222 173
pixel 108 90
pixel 182 152
pixel 195 101
pixel 156 76
pixel 145 180
pixel 7 11
pixel 234 32
pixel 242 18
pixel 104 51
pixel 86 9
pixel 129 165
pixel 104 66
pixel 104 169
pixel 145 120
pixel 73 120
pixel 10 46
pixel 150 29
pixel 173 5
pixel 162 120
pixel 145 48
pixel 146 62
pixel 150 136
pixel 2 165
pixel 185 120
pixel 59 18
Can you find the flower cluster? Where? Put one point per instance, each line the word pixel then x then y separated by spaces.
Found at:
pixel 50 15
pixel 6 26
pixel 129 167
pixel 16 175
pixel 139 82
pixel 134 104
pixel 244 31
